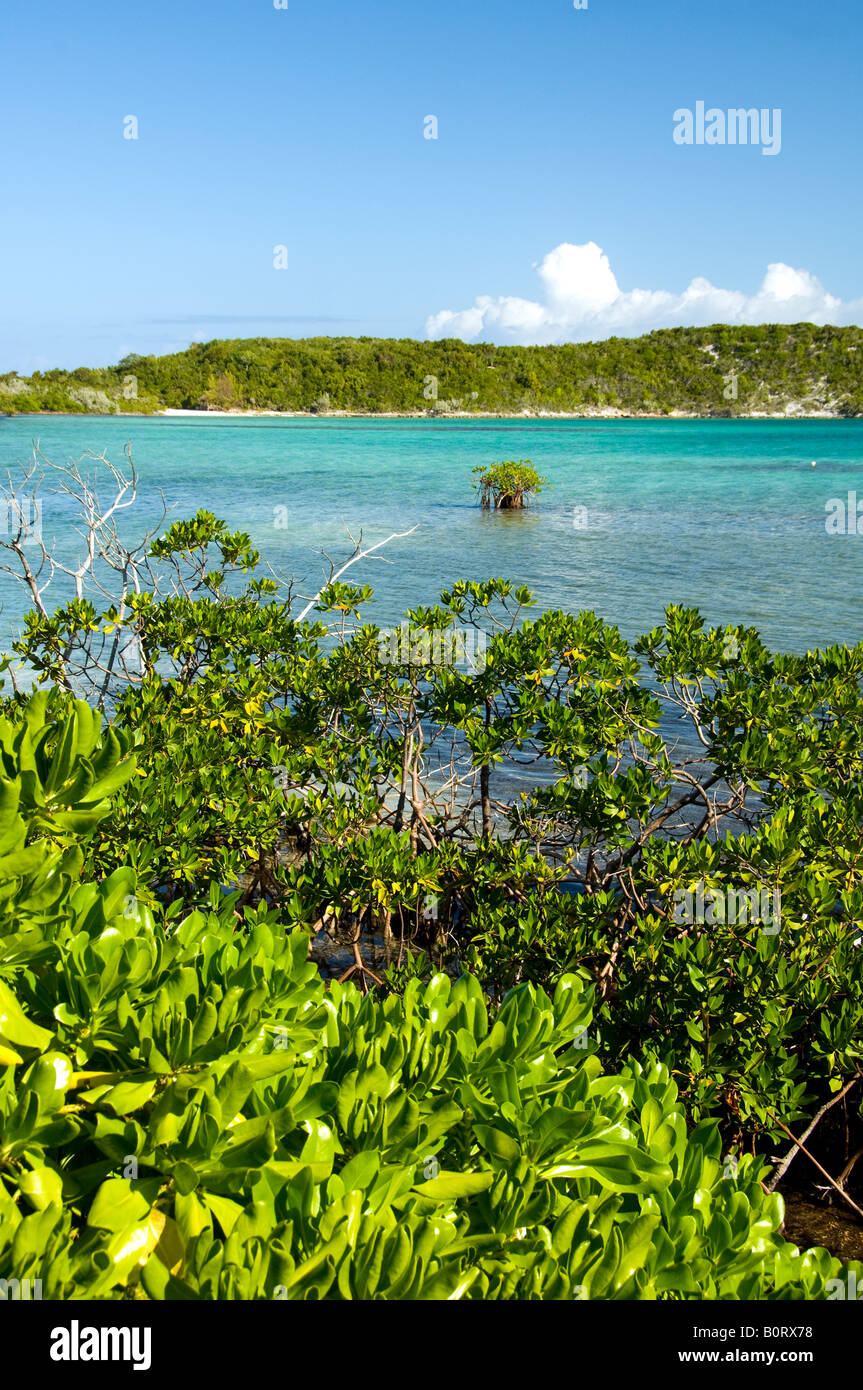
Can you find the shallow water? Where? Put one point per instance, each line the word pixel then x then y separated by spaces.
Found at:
pixel 726 515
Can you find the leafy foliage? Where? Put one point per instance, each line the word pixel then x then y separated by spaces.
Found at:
pixel 774 367
pixel 314 777
pixel 188 1113
pixel 581 1017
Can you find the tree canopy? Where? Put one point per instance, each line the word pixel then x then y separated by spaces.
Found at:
pixel 722 371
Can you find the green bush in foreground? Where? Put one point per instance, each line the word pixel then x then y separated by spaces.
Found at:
pixel 188 1112
pixel 292 752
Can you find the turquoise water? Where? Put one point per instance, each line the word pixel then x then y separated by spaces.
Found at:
pixel 725 515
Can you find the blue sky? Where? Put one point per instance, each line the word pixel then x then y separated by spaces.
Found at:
pixel 304 127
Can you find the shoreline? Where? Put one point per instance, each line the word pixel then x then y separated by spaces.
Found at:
pixel 597 413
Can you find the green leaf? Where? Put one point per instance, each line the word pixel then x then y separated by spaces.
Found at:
pixel 15 1027
pixel 121 1203
pixel 42 1187
pixel 450 1186
pixel 226 1212
pixel 500 1145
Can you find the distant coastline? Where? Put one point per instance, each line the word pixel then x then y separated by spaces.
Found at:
pixel 767 371
pixel 605 413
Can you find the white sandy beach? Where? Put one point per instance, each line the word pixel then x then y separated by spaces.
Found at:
pixel 597 413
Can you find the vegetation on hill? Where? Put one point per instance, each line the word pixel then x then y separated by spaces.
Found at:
pixel 721 371
pixel 295 1003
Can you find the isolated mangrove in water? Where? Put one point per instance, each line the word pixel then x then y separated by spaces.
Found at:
pixel 508 486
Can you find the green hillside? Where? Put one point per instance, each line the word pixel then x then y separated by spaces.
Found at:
pixel 722 370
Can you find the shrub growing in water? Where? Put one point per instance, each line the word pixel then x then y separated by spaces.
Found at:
pixel 508 486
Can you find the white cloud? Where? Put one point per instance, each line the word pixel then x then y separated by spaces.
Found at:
pixel 582 300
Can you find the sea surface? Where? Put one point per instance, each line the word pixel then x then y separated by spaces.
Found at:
pixel 724 515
